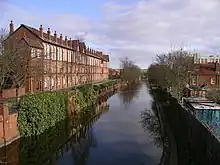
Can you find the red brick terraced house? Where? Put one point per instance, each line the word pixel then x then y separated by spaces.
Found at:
pixel 63 62
pixel 206 73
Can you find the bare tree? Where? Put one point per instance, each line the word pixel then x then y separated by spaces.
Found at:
pixel 129 70
pixel 16 65
pixel 171 70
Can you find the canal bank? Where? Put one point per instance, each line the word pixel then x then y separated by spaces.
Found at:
pixel 37 112
pixel 115 137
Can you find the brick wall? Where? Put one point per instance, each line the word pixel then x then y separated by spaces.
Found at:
pixel 10 93
pixel 7 93
pixel 8 124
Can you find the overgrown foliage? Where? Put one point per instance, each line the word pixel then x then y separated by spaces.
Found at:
pixel 38 112
pixel 214 95
pixel 85 96
pixel 171 71
pixel 129 70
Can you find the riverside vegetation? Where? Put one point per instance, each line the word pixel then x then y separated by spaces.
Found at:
pixel 39 112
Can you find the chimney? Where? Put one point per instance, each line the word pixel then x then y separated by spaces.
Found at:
pixel 55 36
pixel 66 42
pixel 41 31
pixel 11 28
pixel 61 39
pixel 48 34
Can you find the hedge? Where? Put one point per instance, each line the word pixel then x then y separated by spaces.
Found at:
pixel 38 112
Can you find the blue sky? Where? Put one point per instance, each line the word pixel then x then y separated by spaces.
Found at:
pixel 87 8
pixel 138 29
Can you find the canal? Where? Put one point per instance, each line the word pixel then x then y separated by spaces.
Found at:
pixel 125 131
pixel 118 137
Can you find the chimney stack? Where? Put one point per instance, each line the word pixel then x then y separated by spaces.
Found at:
pixel 48 34
pixel 61 39
pixel 55 36
pixel 41 31
pixel 11 27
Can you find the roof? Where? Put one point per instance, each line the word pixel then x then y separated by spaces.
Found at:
pixel 198 100
pixel 82 45
pixel 33 43
pixel 206 106
pixel 204 71
pixel 106 57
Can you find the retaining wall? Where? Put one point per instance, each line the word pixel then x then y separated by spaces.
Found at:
pixel 195 143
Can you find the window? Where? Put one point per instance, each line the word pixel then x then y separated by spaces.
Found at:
pixel 64 55
pixel 32 52
pixel 48 51
pixel 53 52
pixel 64 81
pixel 212 81
pixel 194 81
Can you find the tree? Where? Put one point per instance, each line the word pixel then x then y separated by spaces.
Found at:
pixel 171 70
pixel 129 70
pixel 16 63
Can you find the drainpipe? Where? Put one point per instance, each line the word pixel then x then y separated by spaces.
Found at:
pixel 3 116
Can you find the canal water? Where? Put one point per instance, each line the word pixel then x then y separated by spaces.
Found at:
pixel 118 136
pixel 125 131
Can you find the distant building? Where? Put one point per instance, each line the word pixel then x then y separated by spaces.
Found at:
pixel 206 74
pixel 206 59
pixel 114 73
pixel 64 62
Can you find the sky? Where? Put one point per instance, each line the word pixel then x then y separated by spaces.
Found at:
pixel 138 29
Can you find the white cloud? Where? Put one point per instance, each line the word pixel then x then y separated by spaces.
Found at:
pixel 139 29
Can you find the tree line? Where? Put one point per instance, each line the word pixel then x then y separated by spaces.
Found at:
pixel 171 71
pixel 130 71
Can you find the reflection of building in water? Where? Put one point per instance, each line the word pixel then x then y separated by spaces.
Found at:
pixel 211 118
pixel 10 155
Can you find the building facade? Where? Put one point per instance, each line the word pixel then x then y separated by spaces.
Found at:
pixel 206 59
pixel 58 62
pixel 113 73
pixel 206 74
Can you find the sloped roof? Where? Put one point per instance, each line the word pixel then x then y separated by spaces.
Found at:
pixel 33 43
pixel 82 45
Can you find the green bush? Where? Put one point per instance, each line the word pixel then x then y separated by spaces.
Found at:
pixel 41 111
pixel 85 96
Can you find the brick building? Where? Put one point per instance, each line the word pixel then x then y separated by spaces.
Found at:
pixel 113 73
pixel 57 62
pixel 206 73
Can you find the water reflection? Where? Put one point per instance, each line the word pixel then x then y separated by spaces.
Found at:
pixel 128 94
pixel 150 123
pixel 116 137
